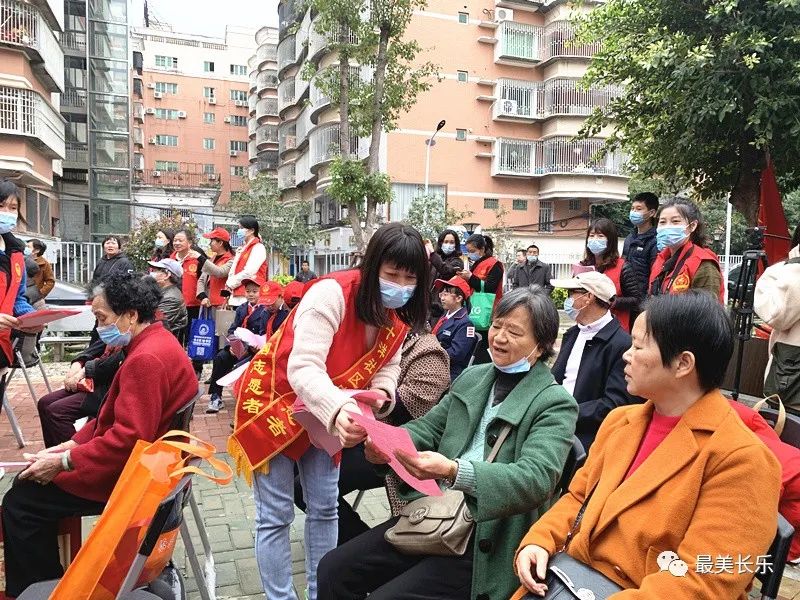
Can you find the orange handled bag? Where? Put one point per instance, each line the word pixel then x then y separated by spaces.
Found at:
pixel 151 473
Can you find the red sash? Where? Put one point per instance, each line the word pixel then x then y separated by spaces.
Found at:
pixel 615 274
pixel 263 425
pixel 680 280
pixel 242 262
pixel 7 305
pixel 217 284
pixel 482 272
pixel 191 266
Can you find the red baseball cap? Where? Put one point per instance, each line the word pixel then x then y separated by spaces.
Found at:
pixel 259 281
pixel 218 233
pixel 293 291
pixel 456 281
pixel 270 292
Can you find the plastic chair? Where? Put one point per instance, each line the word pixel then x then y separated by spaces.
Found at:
pixel 575 460
pixel 770 577
pixel 478 340
pixel 167 518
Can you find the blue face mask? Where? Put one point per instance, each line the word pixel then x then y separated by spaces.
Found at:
pixel 241 232
pixel 473 256
pixel 670 236
pixel 395 296
pixel 569 308
pixel 521 366
pixel 27 251
pixel 448 248
pixel 597 246
pixel 159 243
pixel 636 218
pixel 7 222
pixel 112 336
pixel 532 259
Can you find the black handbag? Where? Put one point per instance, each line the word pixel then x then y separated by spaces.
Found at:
pixel 570 579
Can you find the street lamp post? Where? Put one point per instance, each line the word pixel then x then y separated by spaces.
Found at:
pixel 430 143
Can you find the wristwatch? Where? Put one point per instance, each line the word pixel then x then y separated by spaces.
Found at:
pixel 450 479
pixel 65 462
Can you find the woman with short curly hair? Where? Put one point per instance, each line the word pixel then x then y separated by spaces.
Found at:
pixel 76 478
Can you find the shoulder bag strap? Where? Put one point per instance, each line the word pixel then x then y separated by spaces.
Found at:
pixel 578 519
pixel 500 439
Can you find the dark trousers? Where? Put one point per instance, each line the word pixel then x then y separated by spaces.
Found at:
pixel 58 411
pixel 224 361
pixel 370 565
pixel 193 312
pixel 31 513
pixel 355 473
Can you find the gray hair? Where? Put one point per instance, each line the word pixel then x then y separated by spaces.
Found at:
pixel 541 311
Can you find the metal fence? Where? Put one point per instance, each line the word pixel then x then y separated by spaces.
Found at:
pixel 74 262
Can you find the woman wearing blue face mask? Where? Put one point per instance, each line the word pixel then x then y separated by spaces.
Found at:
pixel 602 254
pixel 163 244
pixel 76 477
pixel 484 270
pixel 249 262
pixel 517 397
pixel 345 334
pixel 684 261
pixel 446 261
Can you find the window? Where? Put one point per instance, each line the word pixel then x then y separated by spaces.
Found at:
pixel 209 169
pixel 166 88
pixel 208 66
pixel 166 165
pixel 461 135
pixel 463 17
pixel 240 146
pixel 491 203
pixel 166 113
pixel 166 140
pixel 166 62
pixel 238 120
pixel 209 92
pixel 463 76
pixel 209 118
pixel 545 215
pixel 403 195
pixel 238 69
pixel 238 171
pixel 574 204
pixel 519 204
pixel 239 95
pixel 209 144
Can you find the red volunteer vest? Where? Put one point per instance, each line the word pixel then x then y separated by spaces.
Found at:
pixel 686 267
pixel 482 272
pixel 615 274
pixel 191 274
pixel 240 264
pixel 263 425
pixel 7 305
pixel 217 284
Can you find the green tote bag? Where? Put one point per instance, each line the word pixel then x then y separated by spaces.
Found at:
pixel 481 313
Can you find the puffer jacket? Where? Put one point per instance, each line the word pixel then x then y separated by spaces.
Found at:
pixel 633 290
pixel 32 292
pixel 641 251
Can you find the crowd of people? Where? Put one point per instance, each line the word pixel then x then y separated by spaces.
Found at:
pixel 493 407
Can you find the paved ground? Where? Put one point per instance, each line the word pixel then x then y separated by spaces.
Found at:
pixel 228 512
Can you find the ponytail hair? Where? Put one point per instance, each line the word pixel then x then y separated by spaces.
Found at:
pixel 689 211
pixel 482 242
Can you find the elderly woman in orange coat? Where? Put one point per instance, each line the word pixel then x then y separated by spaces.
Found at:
pixel 680 475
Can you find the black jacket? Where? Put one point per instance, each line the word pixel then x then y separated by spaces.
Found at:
pixel 640 252
pixel 118 263
pixel 32 292
pixel 600 386
pixel 101 369
pixel 494 278
pixel 633 291
pixel 537 273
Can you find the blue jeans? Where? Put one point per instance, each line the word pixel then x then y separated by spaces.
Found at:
pixel 274 498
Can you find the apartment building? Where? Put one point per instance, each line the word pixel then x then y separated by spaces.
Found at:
pixel 190 118
pixel 510 97
pixel 31 128
pixel 263 104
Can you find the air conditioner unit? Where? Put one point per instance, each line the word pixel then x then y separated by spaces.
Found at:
pixel 152 140
pixel 227 119
pixel 212 100
pixel 291 142
pixel 156 173
pixel 158 95
pixel 241 103
pixel 212 176
pixel 151 86
pixel 508 107
pixel 234 153
pixel 150 111
pixel 181 114
pixel 503 14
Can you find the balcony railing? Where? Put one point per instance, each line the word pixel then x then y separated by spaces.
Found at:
pixel 303 168
pixel 286 95
pixel 26 113
pixel 266 134
pixel 560 42
pixel 287 52
pixel 317 42
pixel 287 137
pixel 253 81
pixel 176 179
pixel 138 111
pixel 527 100
pixel 77 153
pixel 267 80
pixel 74 98
pixel 74 40
pixel 22 24
pixel 286 176
pixel 267 53
pixel 252 126
pixel 267 107
pixel 519 42
pixel 304 125
pixel 252 102
pixel 138 136
pixel 324 145
pixel 267 160
pixel 564 155
pixel 252 150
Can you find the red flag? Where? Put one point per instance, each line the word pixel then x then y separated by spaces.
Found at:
pixel 772 217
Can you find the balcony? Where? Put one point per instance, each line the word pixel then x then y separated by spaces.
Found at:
pixel 286 95
pixel 287 137
pixel 22 25
pixel 138 111
pixel 559 42
pixel 302 169
pixel 266 134
pixel 267 53
pixel 253 81
pixel 527 5
pixel 252 150
pixel 25 113
pixel 267 160
pixel 74 40
pixel 74 98
pixel 324 145
pixel 175 179
pixel 286 176
pixel 267 107
pixel 138 136
pixel 518 100
pixel 76 155
pixel 303 126
pixel 287 52
pixel 267 80
pixel 528 101
pixel 53 11
pixel 557 155
pixel 519 44
pixel 252 101
pixel 252 126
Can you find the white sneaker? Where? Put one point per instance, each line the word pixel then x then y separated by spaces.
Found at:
pixel 215 405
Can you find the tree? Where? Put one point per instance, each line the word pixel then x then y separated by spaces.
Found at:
pixel 370 34
pixel 710 88
pixel 505 246
pixel 282 225
pixel 429 215
pixel 140 247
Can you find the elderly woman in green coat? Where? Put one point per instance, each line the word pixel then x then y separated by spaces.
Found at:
pixel 454 440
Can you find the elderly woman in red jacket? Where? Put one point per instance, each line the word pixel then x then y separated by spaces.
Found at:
pixel 77 477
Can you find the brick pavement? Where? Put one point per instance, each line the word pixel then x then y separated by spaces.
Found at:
pixel 228 512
